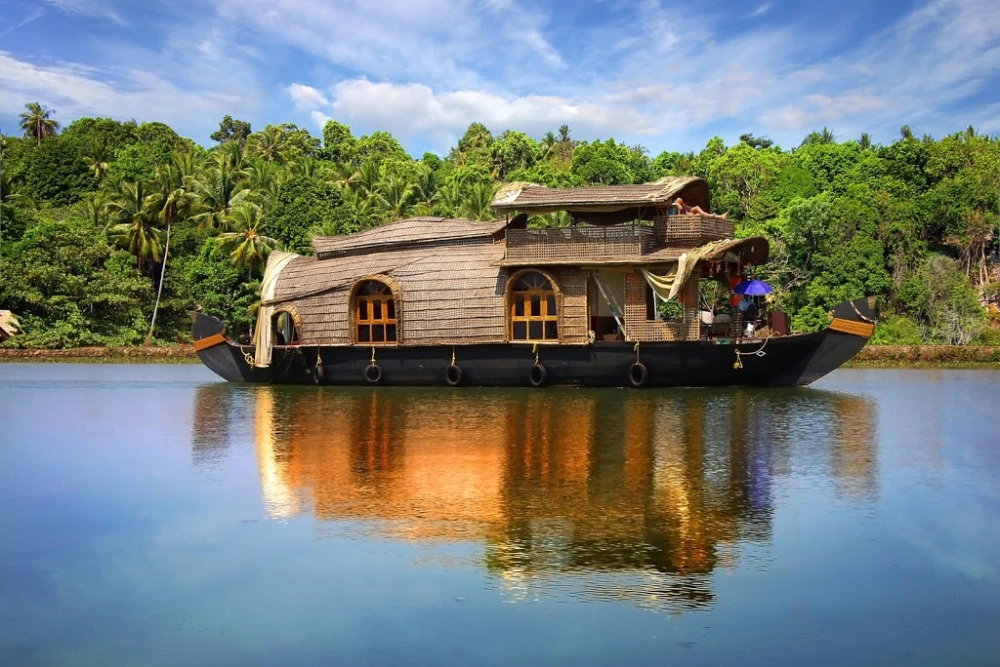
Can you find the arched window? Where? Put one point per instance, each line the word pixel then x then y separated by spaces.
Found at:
pixel 374 313
pixel 534 314
pixel 285 329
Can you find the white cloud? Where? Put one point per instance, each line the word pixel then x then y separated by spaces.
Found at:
pixel 429 40
pixel 306 97
pixel 95 8
pixel 762 9
pixel 74 90
pixel 411 110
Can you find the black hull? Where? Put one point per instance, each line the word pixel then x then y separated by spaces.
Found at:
pixel 783 361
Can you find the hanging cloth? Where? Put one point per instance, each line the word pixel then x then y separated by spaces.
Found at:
pixel 669 286
pixel 263 335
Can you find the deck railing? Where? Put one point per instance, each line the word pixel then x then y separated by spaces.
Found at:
pixel 691 230
pixel 626 241
pixel 579 242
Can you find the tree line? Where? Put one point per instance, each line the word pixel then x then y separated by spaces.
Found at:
pixel 111 232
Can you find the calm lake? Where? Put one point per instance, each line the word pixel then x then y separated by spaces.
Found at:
pixel 154 516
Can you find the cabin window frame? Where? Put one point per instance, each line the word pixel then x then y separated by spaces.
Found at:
pixel 389 301
pixel 543 318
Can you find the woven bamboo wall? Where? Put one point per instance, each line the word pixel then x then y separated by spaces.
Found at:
pixel 691 230
pixel 641 329
pixel 575 326
pixel 444 295
pixel 578 243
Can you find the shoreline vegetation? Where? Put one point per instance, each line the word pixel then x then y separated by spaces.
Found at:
pixel 872 356
pixel 112 232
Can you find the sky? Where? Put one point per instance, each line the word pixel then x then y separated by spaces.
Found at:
pixel 663 74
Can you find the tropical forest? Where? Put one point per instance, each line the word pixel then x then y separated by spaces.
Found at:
pixel 112 232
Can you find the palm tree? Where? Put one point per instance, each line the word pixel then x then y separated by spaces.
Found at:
pixel 135 223
pixel 905 132
pixel 265 179
pixel 344 175
pixel 865 141
pixel 235 153
pixel 312 168
pixel 478 205
pixel 394 194
pixel 93 209
pixel 564 134
pixel 173 202
pixel 37 123
pixel 217 188
pixel 424 195
pixel 97 158
pixel 271 145
pixel 246 243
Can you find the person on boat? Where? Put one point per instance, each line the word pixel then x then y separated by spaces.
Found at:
pixel 684 209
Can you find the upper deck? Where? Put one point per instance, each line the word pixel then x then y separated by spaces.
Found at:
pixel 632 242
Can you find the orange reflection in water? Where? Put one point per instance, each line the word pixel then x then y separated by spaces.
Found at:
pixel 630 495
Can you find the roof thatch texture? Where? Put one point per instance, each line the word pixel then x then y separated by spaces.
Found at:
pixel 411 232
pixel 446 295
pixel 599 204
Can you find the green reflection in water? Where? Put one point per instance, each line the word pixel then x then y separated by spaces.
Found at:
pixel 622 495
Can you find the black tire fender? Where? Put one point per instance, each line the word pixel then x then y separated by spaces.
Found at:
pixel 537 375
pixel 373 374
pixel 637 374
pixel 453 376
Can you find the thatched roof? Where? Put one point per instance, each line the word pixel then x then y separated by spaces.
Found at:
pixel 411 232
pixel 455 294
pixel 603 204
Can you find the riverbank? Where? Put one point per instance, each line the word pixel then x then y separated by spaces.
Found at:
pixel 181 354
pixel 872 356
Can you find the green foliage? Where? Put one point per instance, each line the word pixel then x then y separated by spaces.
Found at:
pixel 915 222
pixel 670 311
pixel 56 173
pixel 304 206
pixel 231 130
pixel 70 288
pixel 380 147
pixel 513 151
pixel 209 282
pixel 897 330
pixel 605 163
pixel 339 145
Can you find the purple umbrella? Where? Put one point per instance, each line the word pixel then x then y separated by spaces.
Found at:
pixel 753 288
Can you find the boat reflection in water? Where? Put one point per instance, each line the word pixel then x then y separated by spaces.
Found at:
pixel 633 496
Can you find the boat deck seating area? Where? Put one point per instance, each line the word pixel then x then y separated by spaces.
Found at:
pixel 626 241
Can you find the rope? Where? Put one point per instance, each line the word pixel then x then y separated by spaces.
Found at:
pixel 534 348
pixel 858 313
pixel 373 356
pixel 637 352
pixel 247 357
pixel 452 355
pixel 319 357
pixel 759 352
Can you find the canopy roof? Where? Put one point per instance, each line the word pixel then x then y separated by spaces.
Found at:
pixel 603 204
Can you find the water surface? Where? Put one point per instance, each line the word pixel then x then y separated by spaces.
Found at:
pixel 155 516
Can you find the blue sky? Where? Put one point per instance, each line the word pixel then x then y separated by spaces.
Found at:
pixel 667 75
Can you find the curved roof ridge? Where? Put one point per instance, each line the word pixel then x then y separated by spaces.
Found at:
pixel 419 230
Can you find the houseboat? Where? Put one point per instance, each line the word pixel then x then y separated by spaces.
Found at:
pixel 612 300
